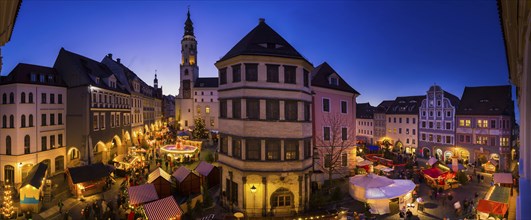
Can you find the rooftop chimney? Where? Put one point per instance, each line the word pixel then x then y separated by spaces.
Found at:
pixel 109 55
pixel 118 60
pixel 261 20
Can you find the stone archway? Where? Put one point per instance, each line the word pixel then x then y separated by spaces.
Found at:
pixel 448 155
pixel 399 146
pixel 116 146
pixel 439 154
pixel 99 152
pixel 73 157
pixel 282 202
pixel 426 152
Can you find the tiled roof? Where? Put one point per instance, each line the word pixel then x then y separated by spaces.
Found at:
pixel 406 105
pixel 383 106
pixel 158 173
pixel 204 168
pixel 320 78
pixel 88 172
pixel 486 100
pixel 265 41
pixel 365 110
pixel 206 82
pixel 163 209
pixel 35 176
pixel 22 74
pixel 142 193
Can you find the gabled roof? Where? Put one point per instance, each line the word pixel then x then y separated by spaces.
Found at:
pixel 406 105
pixel 320 78
pixel 454 100
pixel 163 209
pixel 158 173
pixel 22 74
pixel 204 168
pixel 142 193
pixel 265 41
pixel 129 75
pixel 383 106
pixel 486 100
pixel 181 173
pixel 88 172
pixel 35 176
pixel 365 110
pixel 206 82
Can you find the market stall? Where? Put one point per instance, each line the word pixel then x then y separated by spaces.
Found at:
pixel 495 204
pixel 87 180
pixel 31 188
pixel 187 182
pixel 490 166
pixel 378 191
pixel 162 182
pixel 125 162
pixel 163 209
pixel 503 179
pixel 141 194
pixel 381 169
pixel 209 174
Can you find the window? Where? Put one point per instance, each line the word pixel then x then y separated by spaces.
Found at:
pixel 253 108
pixel 237 148
pixel 33 77
pixel 222 108
pixel 400 130
pixel 60 98
pixel 326 133
pixel 407 130
pixel 30 97
pixel 389 119
pixel 438 102
pixel 423 136
pixel 407 120
pixel 481 140
pixel 344 159
pixel 306 111
pixel 431 113
pixel 430 137
pixel 394 119
pixel 9 174
pixel 290 75
pixel 407 140
pixel 30 120
pixel 414 120
pixel 236 108
pixel 60 140
pixel 482 124
pixel 273 110
pixel 95 122
pixel 438 113
pixel 273 149
pixel 207 109
pixel 291 149
pixel 504 141
pixel 253 149
pixel 281 198
pixel 8 145
pixel 448 139
pixel 327 160
pixel 448 125
pixel 43 143
pixel 272 73
pixel 11 98
pixel 23 97
pixel 334 81
pixel 43 98
pixel 251 72
pixel 414 131
pixel 326 105
pixel 306 77
pixel 423 113
pixel 4 99
pixel 52 141
pixel 224 144
pixel 26 144
pixel 438 125
pixel 468 139
pixel 291 110
pixel 344 107
pixel 52 98
pixel 344 134
pixel 423 124
pixel 52 119
pixel 236 73
pixel 439 140
pixel 492 123
pixel 430 124
pixel 448 113
pixel 400 120
pixel 307 148
pixel 461 138
pixel 223 76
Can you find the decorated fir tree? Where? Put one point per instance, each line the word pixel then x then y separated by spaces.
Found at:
pixel 7 205
pixel 199 131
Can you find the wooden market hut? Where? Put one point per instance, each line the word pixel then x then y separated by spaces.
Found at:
pixel 163 209
pixel 161 181
pixel 208 173
pixel 31 188
pixel 187 182
pixel 87 180
pixel 141 194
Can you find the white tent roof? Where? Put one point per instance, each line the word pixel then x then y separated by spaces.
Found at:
pixel 374 187
pixel 370 181
pixel 364 163
pixel 432 161
pixel 359 159
pixel 383 168
pixel 503 178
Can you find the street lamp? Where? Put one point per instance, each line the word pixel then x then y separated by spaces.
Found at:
pixel 253 190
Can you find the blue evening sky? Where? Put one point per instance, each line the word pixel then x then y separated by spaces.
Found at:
pixel 383 49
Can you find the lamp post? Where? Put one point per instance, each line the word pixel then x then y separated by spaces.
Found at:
pixel 253 190
pixel 20 168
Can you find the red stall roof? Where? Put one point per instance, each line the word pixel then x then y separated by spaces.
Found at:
pixel 492 207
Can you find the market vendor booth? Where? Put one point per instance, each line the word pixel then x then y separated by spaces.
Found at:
pixel 187 182
pixel 87 180
pixel 163 209
pixel 439 176
pixel 31 188
pixel 141 194
pixel 161 181
pixel 124 162
pixel 495 204
pixel 208 173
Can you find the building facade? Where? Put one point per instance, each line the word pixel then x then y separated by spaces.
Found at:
pixel 265 126
pixel 99 109
pixel 334 122
pixel 380 131
pixel 401 124
pixel 168 108
pixel 365 123
pixel 33 110
pixel 197 96
pixel 484 121
pixel 437 124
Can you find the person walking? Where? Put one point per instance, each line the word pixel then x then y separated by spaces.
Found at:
pixel 60 205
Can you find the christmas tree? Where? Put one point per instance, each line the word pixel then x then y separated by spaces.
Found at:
pixel 7 209
pixel 199 131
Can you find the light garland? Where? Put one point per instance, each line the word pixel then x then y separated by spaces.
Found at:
pixel 7 209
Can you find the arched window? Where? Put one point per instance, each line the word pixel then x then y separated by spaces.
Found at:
pixel 30 98
pixel 23 97
pixel 8 145
pixel 11 98
pixel 282 197
pixel 4 99
pixel 26 144
pixel 4 121
pixel 186 72
pixel 11 121
pixel 23 121
pixel 31 120
pixel 9 174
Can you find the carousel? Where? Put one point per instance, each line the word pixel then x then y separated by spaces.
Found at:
pixel 182 150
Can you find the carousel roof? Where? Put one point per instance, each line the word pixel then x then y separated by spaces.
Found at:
pixel 142 193
pixel 370 181
pixel 159 172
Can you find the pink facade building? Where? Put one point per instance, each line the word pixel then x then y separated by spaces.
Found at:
pixel 334 121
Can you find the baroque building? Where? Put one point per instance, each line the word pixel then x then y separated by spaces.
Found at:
pixel 402 124
pixel 198 97
pixel 365 123
pixel 265 125
pixel 380 122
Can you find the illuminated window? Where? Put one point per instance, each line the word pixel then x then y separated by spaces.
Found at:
pixel 191 60
pixel 291 149
pixel 207 110
pixel 483 124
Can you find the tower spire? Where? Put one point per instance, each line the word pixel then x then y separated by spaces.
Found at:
pixel 188 25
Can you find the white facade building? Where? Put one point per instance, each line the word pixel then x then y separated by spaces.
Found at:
pixel 402 123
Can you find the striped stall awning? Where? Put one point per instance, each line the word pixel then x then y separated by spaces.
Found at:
pixel 163 209
pixel 142 193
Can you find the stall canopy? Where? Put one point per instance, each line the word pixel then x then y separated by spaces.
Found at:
pixel 359 159
pixel 492 207
pixel 503 178
pixel 35 176
pixel 142 193
pixel 87 173
pixel 159 172
pixel 383 168
pixel 163 209
pixel 432 161
pixel 364 163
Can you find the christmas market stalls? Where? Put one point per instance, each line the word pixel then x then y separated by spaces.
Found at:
pixel 31 188
pixel 163 209
pixel 495 204
pixel 142 194
pixel 209 174
pixel 439 176
pixel 187 182
pixel 87 180
pixel 161 181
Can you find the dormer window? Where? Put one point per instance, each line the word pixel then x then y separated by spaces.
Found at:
pixel 33 77
pixel 50 78
pixel 483 100
pixel 41 78
pixel 334 81
pixel 97 80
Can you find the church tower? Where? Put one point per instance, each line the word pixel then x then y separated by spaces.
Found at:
pixel 189 69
